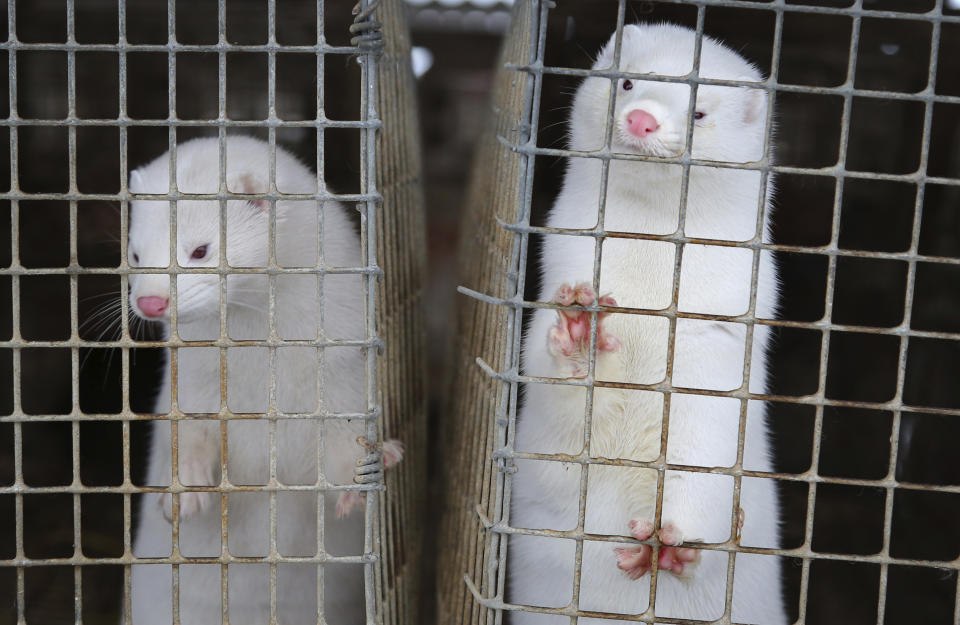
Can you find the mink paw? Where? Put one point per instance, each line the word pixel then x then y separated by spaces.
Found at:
pixel 636 561
pixel 569 338
pixel 369 469
pixel 191 473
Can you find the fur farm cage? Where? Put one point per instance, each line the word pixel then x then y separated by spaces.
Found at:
pixel 98 89
pixel 862 397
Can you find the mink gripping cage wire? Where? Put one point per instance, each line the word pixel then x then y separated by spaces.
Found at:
pixel 498 237
pixel 389 274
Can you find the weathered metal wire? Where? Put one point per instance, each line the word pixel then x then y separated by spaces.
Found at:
pixel 391 272
pixel 488 377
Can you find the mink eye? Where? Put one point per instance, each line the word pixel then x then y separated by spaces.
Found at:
pixel 199 253
pixel 699 115
pixel 627 85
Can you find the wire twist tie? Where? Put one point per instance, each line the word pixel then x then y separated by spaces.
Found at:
pixel 367 31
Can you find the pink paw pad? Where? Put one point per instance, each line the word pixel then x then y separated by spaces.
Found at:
pixel 196 469
pixel 570 336
pixel 347 501
pixel 391 454
pixel 636 561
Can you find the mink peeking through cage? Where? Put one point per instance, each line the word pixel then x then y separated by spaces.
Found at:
pixel 867 240
pixel 305 382
pixel 81 444
pixel 864 232
pixel 651 119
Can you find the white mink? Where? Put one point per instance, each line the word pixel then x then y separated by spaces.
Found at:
pixel 297 315
pixel 650 118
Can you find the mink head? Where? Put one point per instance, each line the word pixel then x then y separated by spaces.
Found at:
pixel 650 117
pixel 198 230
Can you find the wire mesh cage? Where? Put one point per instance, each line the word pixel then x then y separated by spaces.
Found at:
pixel 860 138
pixel 274 376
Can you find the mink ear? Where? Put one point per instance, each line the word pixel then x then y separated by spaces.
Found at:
pixel 248 184
pixel 605 58
pixel 135 181
pixel 755 105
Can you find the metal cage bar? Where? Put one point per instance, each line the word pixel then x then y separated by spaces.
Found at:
pixel 390 274
pixel 484 396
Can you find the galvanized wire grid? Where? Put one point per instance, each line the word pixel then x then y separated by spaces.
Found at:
pixel 488 258
pixel 367 200
pixel 402 254
pixel 490 501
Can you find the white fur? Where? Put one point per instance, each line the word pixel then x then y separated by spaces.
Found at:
pixel 297 312
pixel 644 197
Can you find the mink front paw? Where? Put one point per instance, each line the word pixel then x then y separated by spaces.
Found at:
pixel 192 473
pixel 569 338
pixel 636 561
pixel 369 469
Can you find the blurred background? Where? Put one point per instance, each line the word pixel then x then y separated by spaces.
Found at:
pixel 457 50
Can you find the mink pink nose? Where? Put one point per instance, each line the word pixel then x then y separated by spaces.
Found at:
pixel 153 306
pixel 641 123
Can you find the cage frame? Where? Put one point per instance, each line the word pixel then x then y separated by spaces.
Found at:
pixel 381 376
pixel 486 583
